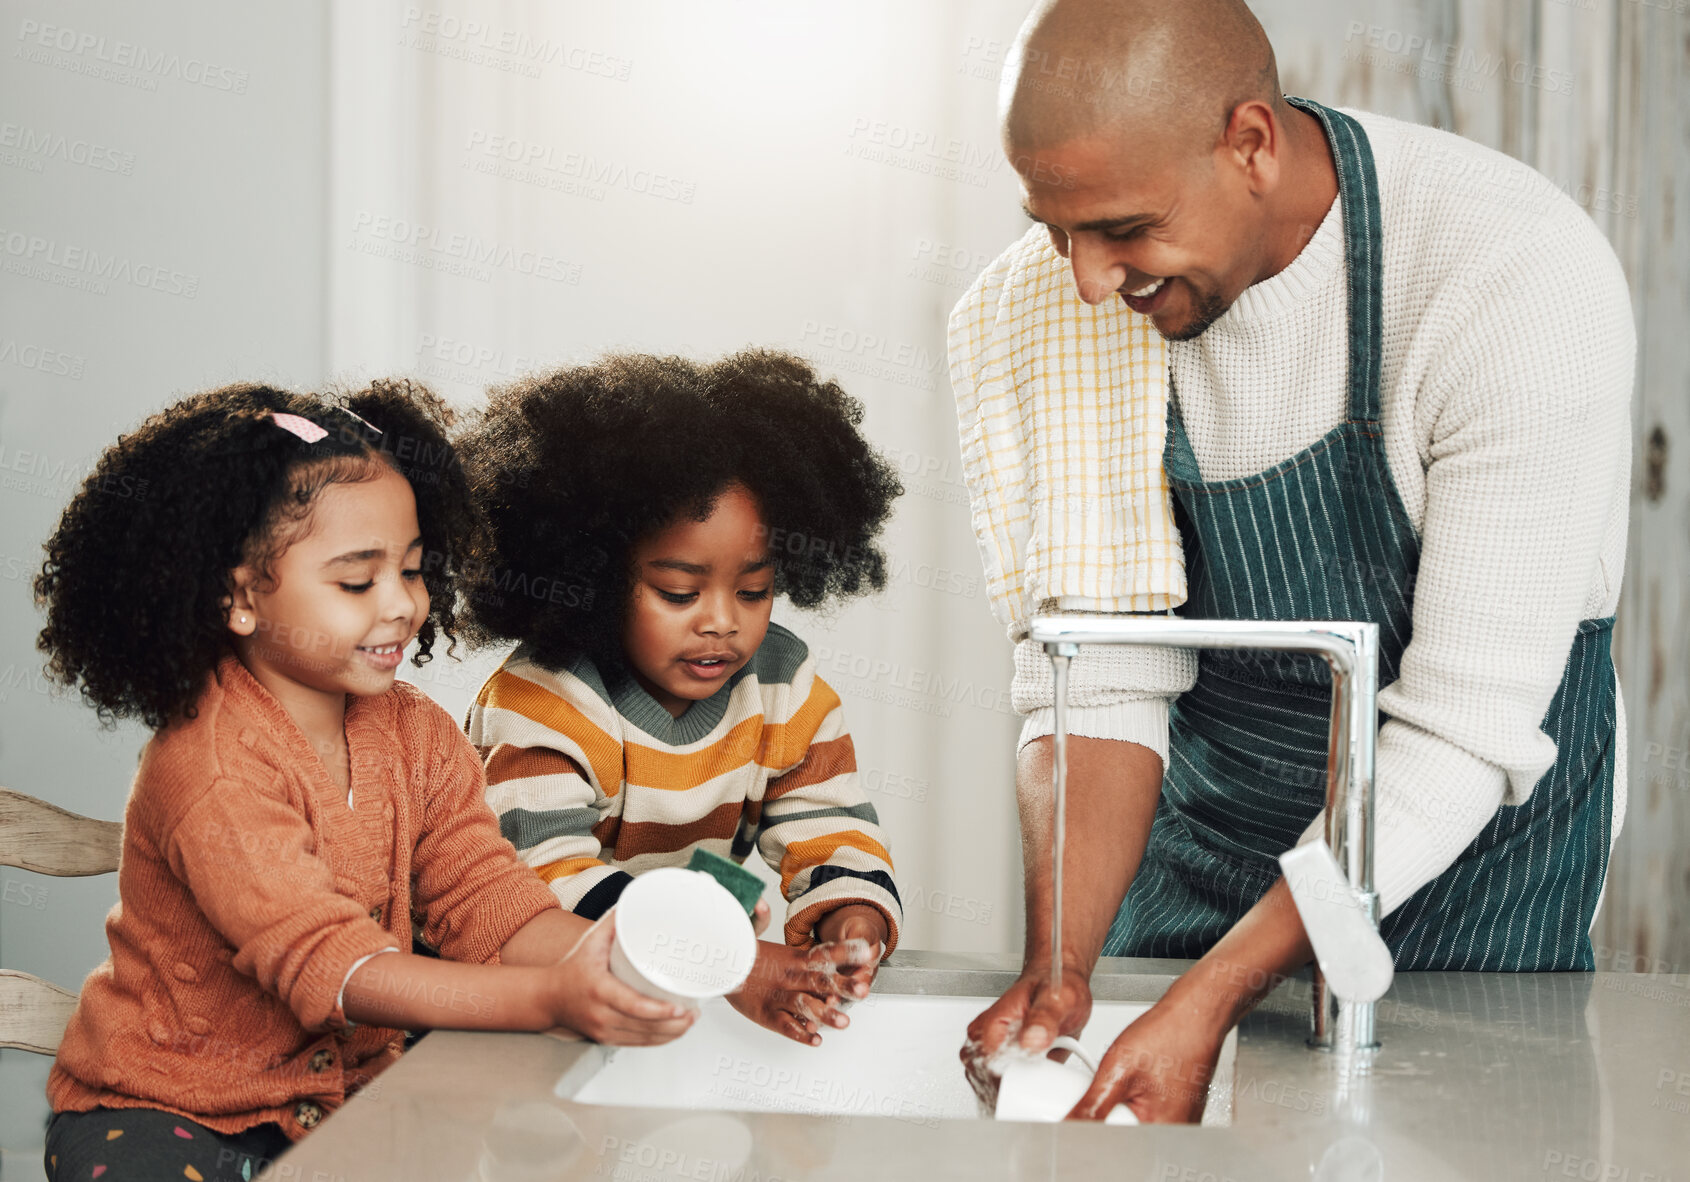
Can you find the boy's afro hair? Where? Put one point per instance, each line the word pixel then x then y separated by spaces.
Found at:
pixel 136 578
pixel 573 468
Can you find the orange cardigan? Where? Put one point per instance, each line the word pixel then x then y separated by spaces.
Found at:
pixel 248 889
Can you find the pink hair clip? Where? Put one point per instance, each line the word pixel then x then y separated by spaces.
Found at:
pixel 294 425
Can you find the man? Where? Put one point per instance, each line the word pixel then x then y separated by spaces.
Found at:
pixel 1401 367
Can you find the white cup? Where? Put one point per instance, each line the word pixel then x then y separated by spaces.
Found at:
pixel 681 937
pixel 1042 1089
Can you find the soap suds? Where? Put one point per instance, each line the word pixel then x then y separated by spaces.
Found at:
pixel 858 954
pixel 984 1071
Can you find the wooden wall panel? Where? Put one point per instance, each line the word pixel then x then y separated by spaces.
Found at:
pixel 1648 908
pixel 1595 94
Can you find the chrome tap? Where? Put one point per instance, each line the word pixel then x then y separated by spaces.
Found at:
pixel 1331 881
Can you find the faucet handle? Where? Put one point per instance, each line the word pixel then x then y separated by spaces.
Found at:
pixel 1347 944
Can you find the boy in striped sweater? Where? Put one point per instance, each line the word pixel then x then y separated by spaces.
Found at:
pixel 643 513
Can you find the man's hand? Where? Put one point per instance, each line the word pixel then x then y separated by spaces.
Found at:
pixel 1160 1067
pixel 1028 1016
pixel 1113 788
pixel 797 991
pixel 583 995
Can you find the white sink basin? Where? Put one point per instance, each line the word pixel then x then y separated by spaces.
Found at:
pixel 897 1059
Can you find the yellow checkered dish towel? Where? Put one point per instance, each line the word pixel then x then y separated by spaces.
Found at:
pixel 1062 409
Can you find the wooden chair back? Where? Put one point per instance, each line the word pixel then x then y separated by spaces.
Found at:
pixel 44 838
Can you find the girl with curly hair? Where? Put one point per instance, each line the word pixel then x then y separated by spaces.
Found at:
pixel 243 573
pixel 644 512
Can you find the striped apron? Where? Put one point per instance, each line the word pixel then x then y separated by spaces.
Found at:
pixel 1324 535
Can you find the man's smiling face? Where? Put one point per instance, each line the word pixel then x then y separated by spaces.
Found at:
pixel 1171 232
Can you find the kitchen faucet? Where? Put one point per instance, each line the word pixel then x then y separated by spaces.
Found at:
pixel 1331 880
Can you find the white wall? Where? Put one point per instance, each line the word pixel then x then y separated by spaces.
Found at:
pixel 749 189
pixel 795 215
pixel 216 191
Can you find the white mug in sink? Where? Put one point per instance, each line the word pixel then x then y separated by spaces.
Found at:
pixel 1042 1089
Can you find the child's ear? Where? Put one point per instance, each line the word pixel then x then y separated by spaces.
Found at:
pixel 242 617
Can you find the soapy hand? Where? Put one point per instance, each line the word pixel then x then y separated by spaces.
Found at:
pixel 1160 1067
pixel 1021 1024
pixel 855 922
pixel 797 991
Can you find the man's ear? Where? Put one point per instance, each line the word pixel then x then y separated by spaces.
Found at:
pixel 242 617
pixel 1252 137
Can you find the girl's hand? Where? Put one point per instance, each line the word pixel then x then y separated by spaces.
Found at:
pixel 760 917
pixel 796 991
pixel 583 995
pixel 856 921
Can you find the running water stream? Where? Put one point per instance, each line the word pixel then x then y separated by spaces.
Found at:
pixel 1059 658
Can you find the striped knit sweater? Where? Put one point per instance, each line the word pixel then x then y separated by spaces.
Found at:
pixel 594 782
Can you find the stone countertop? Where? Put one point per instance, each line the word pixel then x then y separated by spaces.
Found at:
pixel 1480 1076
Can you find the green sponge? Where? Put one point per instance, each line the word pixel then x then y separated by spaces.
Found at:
pixel 741 883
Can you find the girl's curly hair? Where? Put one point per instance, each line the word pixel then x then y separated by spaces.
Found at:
pixel 572 468
pixel 136 582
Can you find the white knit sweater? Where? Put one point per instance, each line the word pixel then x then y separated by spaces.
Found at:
pixel 1506 387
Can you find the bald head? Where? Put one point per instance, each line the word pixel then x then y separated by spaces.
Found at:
pixel 1153 143
pixel 1140 71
